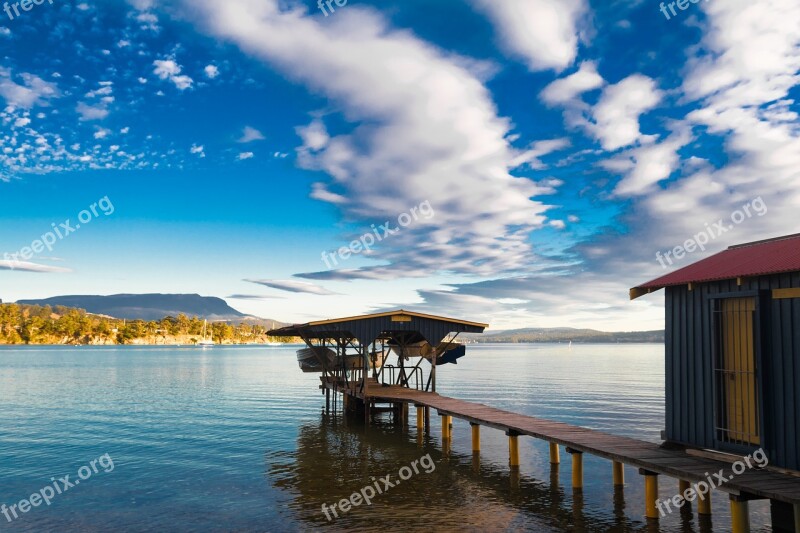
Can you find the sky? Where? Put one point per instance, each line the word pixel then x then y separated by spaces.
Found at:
pixel 517 162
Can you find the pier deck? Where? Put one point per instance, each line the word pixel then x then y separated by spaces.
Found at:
pixel 648 457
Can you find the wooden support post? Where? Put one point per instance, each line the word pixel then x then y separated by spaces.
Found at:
pixel 445 427
pixel 577 469
pixel 513 449
pixel 476 438
pixel 683 486
pixel 428 420
pixel 555 457
pixel 704 503
pixel 740 516
pixel 797 517
pixel 618 473
pixel 420 418
pixel 650 494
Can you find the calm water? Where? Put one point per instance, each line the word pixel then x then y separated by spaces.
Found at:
pixel 235 439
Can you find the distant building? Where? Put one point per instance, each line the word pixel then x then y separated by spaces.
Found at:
pixel 733 351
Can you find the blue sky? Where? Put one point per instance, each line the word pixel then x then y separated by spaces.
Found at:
pixel 559 145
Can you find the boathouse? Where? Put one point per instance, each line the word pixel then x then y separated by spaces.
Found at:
pixel 733 351
pixel 354 352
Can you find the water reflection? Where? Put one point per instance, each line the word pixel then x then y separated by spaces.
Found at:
pixel 336 457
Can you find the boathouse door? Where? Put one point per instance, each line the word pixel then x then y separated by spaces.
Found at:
pixel 737 420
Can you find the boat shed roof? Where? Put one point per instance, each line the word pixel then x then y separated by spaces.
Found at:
pixel 367 328
pixel 760 258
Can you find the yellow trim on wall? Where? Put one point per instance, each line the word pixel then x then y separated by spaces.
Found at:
pixel 780 294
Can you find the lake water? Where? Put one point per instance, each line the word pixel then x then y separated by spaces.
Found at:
pixel 236 439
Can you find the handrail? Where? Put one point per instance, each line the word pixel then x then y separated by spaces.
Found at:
pixel 416 373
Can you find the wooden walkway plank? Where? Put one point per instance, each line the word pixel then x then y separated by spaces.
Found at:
pixel 642 454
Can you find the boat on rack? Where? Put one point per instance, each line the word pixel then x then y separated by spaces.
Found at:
pixel 445 352
pixel 310 359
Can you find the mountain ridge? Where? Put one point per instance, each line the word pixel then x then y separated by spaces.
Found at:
pixel 151 306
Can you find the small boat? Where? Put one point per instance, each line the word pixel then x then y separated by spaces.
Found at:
pixel 310 359
pixel 445 353
pixel 376 360
pixel 204 342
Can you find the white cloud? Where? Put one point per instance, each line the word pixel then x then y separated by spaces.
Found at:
pixel 246 155
pixel 168 69
pixel 33 92
pixel 198 150
pixel 148 21
pixel 250 134
pixel 211 71
pixel 617 113
pixel 652 163
pixel 22 122
pixel 543 32
pixel 429 131
pixel 315 136
pixel 304 287
pixel 530 157
pixel 24 266
pixel 4 32
pixel 88 112
pixel 568 88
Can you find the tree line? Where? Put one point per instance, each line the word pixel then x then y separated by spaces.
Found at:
pixel 33 324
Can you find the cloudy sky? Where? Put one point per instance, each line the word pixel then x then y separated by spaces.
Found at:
pixel 519 162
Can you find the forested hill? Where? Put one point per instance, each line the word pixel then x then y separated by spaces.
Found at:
pixel 570 334
pixel 146 306
pixel 34 324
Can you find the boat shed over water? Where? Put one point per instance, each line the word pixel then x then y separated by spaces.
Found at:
pixel 344 347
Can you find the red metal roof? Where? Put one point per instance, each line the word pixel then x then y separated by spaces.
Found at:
pixel 759 258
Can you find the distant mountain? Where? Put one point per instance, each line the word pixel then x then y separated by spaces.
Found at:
pixel 149 306
pixel 569 334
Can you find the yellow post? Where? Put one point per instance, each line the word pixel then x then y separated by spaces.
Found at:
pixel 797 517
pixel 577 470
pixel 420 418
pixel 618 473
pixel 513 451
pixel 704 503
pixel 740 516
pixel 555 458
pixel 445 427
pixel 683 486
pixel 650 495
pixel 476 438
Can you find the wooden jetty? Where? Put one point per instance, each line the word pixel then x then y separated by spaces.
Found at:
pixel 401 386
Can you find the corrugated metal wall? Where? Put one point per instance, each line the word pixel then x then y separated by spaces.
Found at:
pixel 690 358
